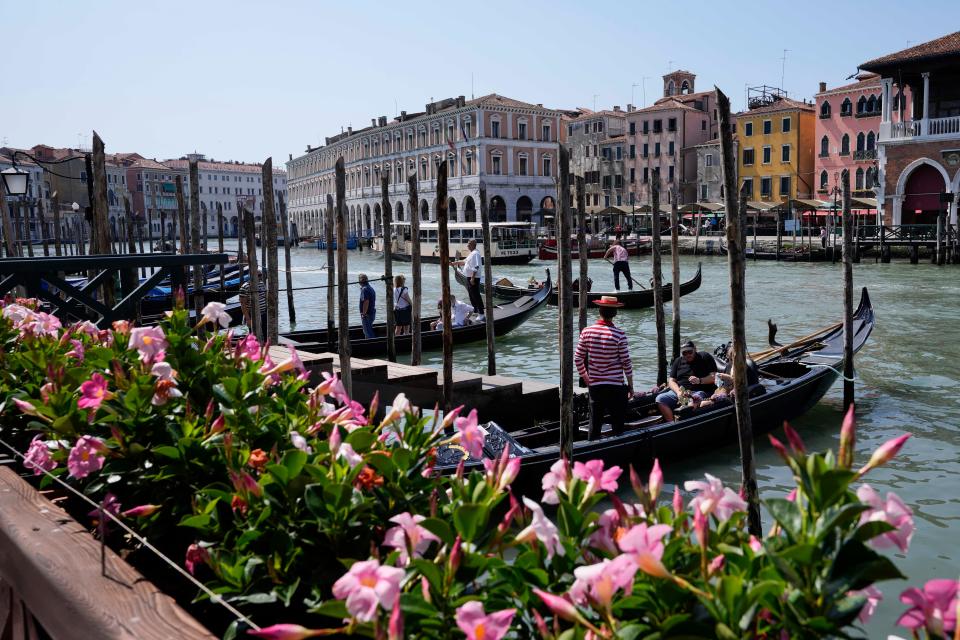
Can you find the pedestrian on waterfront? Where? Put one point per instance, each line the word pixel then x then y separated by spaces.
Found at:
pixel 471 270
pixel 620 264
pixel 602 359
pixel 692 376
pixel 823 237
pixel 368 306
pixel 402 306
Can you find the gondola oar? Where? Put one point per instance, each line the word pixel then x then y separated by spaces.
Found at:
pixel 631 277
pixel 813 337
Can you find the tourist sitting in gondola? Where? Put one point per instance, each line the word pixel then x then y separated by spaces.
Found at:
pixel 575 285
pixel 691 380
pixel 459 313
pixel 724 381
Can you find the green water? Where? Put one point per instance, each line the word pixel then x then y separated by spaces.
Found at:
pixel 907 374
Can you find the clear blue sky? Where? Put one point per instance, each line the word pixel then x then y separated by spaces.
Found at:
pixel 243 80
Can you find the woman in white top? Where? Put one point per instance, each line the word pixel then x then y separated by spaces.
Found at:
pixel 402 307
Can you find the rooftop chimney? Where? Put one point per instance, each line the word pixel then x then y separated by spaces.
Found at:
pixel 373 122
pixel 630 108
pixel 291 157
pixel 616 108
pixel 823 87
pixel 403 116
pixel 349 131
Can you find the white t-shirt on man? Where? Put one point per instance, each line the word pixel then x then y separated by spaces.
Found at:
pixel 471 266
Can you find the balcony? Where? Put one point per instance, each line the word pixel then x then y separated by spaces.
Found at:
pixel 936 129
pixel 865 154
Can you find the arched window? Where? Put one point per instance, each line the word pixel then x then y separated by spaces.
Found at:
pixel 671 88
pixel 872 104
pixel 861 141
pixel 824 147
pixel 871 141
pixel 846 108
pixel 825 109
pixel 859 179
pixel 845 145
pixel 685 87
pixel 861 104
pixel 824 178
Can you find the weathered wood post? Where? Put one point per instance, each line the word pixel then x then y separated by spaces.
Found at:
pixel 884 253
pixel 675 266
pixel 8 241
pixel 848 327
pixel 41 215
pixel 181 219
pixel 195 235
pixel 565 305
pixel 100 211
pixel 735 242
pixel 780 231
pixel 220 245
pixel 203 226
pixel 26 217
pixel 584 254
pixel 163 231
pixel 288 267
pixel 657 257
pixel 342 309
pixel 250 233
pixel 939 251
pixel 415 273
pixel 129 276
pixel 269 239
pixel 57 237
pixel 697 221
pixel 386 227
pixel 488 279
pixel 328 232
pixel 443 237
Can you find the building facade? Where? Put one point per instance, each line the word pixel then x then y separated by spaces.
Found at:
pixel 508 146
pixel 847 127
pixel 710 184
pixel 664 136
pixel 598 151
pixel 918 153
pixel 775 159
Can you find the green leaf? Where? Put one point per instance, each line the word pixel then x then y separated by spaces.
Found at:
pixel 857 567
pixel 361 439
pixel 870 530
pixel 470 518
pixel 382 463
pixel 832 484
pixel 167 451
pixel 440 529
pixel 197 522
pixel 279 472
pixel 338 495
pixel 431 572
pixel 313 498
pixel 630 632
pixel 838 518
pixel 724 632
pixel 801 554
pixel 294 460
pixel 332 609
pixel 787 514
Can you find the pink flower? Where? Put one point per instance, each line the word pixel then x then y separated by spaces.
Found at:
pixel 163 391
pixel 408 534
pixel 110 504
pixel 655 484
pixel 755 544
pixel 716 565
pixel 892 511
pixel 555 480
pixel 885 453
pixel 215 312
pixel 561 607
pixel 478 626
pixel 142 511
pixel 299 442
pixel 395 626
pixel 244 484
pixel 934 608
pixel 593 474
pixel 399 408
pixel 599 583
pixel 873 596
pixel 77 351
pixel 148 341
pixel 41 324
pixel 163 371
pixel 848 439
pixel 501 473
pixel 796 443
pixel 196 555
pixel 609 527
pixel 287 632
pixel 347 453
pixel 85 457
pixel 471 435
pixel 25 407
pixel 366 585
pixel 38 457
pixel 93 392
pixel 121 327
pixel 701 526
pixel 249 348
pixel 541 529
pixel 714 498
pixel 332 386
pixel 643 541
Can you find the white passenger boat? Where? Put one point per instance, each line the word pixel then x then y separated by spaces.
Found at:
pixel 511 242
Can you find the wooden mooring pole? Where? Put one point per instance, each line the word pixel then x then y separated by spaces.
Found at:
pixel 847 295
pixel 195 235
pixel 488 278
pixel 8 241
pixel 181 220
pixel 386 225
pixel 220 245
pixel 343 312
pixel 41 214
pixel 415 272
pixel 584 254
pixel 443 238
pixel 658 277
pixel 250 233
pixel 735 258
pixel 269 239
pixel 565 304
pixel 57 237
pixel 129 277
pixel 328 233
pixel 675 267
pixel 287 266
pixel 101 210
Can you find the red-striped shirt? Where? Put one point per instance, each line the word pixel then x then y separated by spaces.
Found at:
pixel 602 355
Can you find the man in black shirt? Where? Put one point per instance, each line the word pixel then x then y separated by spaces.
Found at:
pixel 692 375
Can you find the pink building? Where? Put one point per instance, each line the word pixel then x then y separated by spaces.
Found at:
pixel 847 129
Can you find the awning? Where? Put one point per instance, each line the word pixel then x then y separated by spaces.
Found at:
pixel 664 210
pixel 799 204
pixel 612 211
pixel 756 205
pixel 702 207
pixel 864 203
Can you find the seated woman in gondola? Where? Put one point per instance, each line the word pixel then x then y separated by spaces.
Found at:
pixel 459 314
pixel 724 381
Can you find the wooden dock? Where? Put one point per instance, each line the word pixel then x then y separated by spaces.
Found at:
pixel 511 402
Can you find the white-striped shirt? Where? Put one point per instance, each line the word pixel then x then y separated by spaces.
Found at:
pixel 602 354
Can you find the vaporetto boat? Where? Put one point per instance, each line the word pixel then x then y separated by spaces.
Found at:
pixel 511 242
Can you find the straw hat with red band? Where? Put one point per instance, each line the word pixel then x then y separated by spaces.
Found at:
pixel 608 301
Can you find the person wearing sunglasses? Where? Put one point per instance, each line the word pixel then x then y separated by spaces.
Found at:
pixel 692 375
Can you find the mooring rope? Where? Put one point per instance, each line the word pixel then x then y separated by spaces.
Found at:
pixel 827 366
pixel 215 598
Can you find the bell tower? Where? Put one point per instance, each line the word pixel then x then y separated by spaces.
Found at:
pixel 677 83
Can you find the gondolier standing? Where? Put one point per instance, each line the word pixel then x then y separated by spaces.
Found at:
pixel 602 358
pixel 620 263
pixel 471 269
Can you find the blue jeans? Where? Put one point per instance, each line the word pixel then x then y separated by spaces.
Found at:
pixel 367 322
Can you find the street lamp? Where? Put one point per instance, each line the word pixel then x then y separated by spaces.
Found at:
pixel 15 181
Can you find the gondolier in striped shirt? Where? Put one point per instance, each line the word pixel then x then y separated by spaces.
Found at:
pixel 603 360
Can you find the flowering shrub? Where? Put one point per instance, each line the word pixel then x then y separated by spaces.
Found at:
pixel 316 518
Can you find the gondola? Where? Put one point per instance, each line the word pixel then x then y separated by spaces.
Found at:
pixel 159 298
pixel 640 298
pixel 791 382
pixel 506 318
pixel 548 250
pixel 502 287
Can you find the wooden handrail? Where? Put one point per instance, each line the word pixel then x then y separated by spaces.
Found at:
pixel 52 564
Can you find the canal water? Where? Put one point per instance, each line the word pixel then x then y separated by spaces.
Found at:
pixel 908 373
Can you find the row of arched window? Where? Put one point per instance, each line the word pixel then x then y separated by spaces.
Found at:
pixel 863 179
pixel 866 142
pixel 866 106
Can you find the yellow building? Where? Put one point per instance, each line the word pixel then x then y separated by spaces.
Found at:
pixel 776 151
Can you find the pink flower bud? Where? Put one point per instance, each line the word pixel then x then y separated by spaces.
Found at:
pixel 885 453
pixel 456 555
pixel 143 511
pixel 701 526
pixel 677 501
pixel 716 565
pixel 541 624
pixel 755 544
pixel 781 449
pixel 561 607
pixel 286 631
pixel 848 439
pixel 794 439
pixel 637 484
pixel 395 627
pixel 218 425
pixel 25 407
pixel 335 440
pixel 425 589
pixel 656 481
